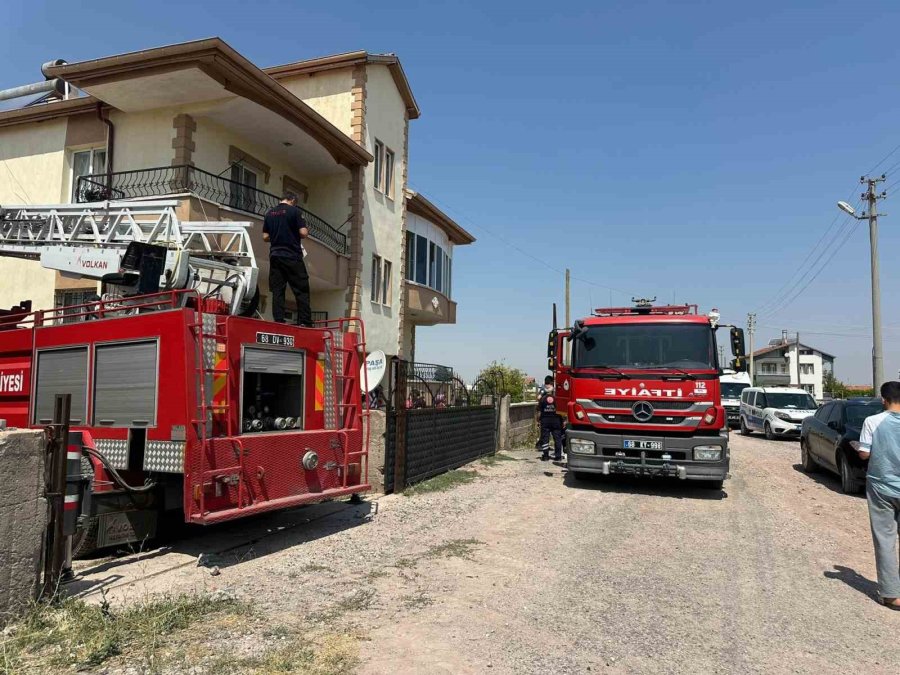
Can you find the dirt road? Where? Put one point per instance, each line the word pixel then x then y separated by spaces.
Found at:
pixel 524 570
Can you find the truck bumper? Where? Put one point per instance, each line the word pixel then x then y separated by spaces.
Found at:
pixel 675 458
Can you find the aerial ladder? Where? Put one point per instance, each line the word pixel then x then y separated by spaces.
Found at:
pixel 115 242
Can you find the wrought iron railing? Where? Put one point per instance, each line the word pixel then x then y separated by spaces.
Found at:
pixel 165 180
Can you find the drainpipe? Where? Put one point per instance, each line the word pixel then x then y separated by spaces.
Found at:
pixel 110 144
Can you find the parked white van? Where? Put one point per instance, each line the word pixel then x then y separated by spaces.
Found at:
pixel 732 385
pixel 776 411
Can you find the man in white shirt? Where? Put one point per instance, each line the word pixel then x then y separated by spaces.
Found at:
pixel 879 442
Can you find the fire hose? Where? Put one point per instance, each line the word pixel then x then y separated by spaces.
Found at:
pixel 146 487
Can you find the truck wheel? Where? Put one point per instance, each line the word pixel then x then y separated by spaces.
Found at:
pixel 84 541
pixel 848 482
pixel 769 435
pixel 806 461
pixel 745 430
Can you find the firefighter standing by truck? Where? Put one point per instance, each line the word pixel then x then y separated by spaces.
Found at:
pixel 551 424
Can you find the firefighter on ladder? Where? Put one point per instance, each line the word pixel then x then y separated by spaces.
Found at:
pixel 551 424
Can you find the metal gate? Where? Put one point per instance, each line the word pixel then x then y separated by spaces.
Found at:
pixel 435 422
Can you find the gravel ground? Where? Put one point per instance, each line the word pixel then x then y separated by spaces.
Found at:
pixel 525 570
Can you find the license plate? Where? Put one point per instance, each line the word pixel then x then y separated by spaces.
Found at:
pixel 275 339
pixel 642 445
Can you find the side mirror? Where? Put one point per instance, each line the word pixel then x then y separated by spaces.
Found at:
pixel 737 342
pixel 739 364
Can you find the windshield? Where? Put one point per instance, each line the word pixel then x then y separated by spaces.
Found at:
pixel 733 389
pixel 795 401
pixel 661 345
pixel 856 414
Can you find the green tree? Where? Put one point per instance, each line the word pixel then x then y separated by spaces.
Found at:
pixel 501 379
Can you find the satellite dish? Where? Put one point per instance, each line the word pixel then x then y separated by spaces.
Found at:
pixel 372 372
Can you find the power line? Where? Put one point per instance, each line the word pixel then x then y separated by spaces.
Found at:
pixel 777 301
pixel 834 252
pixel 467 221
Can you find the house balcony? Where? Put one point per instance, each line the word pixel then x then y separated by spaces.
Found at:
pixel 207 196
pixel 170 180
pixel 426 306
pixel 772 379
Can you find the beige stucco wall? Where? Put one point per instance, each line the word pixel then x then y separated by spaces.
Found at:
pixel 328 93
pixel 143 139
pixel 383 227
pixel 32 172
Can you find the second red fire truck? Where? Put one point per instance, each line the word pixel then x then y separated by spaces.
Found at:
pixel 639 387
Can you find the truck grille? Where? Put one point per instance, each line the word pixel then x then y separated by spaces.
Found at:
pixel 659 405
pixel 656 419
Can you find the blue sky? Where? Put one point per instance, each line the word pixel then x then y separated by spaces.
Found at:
pixel 692 152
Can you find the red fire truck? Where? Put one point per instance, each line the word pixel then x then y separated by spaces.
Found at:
pixel 182 400
pixel 639 387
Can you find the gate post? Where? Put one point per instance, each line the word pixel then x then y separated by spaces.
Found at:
pixel 400 386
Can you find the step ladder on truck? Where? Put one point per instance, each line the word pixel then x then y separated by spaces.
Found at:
pixel 183 400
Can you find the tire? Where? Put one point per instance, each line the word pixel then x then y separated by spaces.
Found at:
pixel 769 435
pixel 806 461
pixel 745 430
pixel 84 541
pixel 849 484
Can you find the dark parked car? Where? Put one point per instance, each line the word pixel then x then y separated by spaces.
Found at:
pixel 828 440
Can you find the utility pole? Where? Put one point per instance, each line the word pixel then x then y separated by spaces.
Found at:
pixel 568 310
pixel 877 357
pixel 751 328
pixel 799 385
pixel 871 215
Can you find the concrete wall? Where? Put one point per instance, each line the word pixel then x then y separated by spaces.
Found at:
pixel 328 93
pixel 383 227
pixel 521 424
pixel 23 514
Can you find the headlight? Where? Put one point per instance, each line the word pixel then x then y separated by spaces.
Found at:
pixel 708 453
pixel 581 446
pixel 783 416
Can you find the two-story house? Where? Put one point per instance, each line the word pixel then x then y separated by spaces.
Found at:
pixel 199 123
pixel 777 365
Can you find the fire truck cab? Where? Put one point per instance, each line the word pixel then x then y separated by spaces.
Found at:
pixel 639 387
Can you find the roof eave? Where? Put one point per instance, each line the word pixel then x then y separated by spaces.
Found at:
pixel 236 73
pixel 416 203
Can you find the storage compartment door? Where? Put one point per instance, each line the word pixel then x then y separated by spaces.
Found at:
pixel 125 384
pixel 61 371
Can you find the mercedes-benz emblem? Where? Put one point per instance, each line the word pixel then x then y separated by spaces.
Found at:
pixel 642 411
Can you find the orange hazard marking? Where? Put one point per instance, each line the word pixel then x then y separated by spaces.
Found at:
pixel 219 379
pixel 320 385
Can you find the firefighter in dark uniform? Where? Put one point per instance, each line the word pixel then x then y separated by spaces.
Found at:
pixel 551 424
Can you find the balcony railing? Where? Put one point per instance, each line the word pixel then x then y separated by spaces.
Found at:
pixel 165 180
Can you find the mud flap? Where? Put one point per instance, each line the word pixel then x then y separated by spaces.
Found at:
pixel 125 528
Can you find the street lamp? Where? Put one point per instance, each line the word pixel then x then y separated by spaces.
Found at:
pixel 872 216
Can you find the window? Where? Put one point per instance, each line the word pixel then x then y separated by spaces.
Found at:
pixel 784 369
pixel 382 287
pixel 386 285
pixel 376 278
pixel 768 368
pixel 411 255
pixel 807 369
pixel 836 415
pixel 384 169
pixel 379 163
pixel 81 296
pixel 87 163
pixel 243 188
pixel 421 260
pixel 389 173
pixel 645 346
pixel 824 412
pixel 760 401
pixel 811 389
